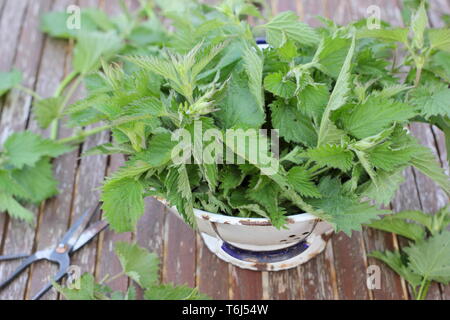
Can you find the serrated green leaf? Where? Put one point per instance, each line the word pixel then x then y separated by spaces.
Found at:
pixel 14 208
pixel 397 263
pixel 293 126
pixel 333 156
pixel 254 67
pixel 374 115
pixel 56 24
pixel 419 23
pixel 313 99
pixel 286 26
pixel 385 188
pixel 302 182
pixel 123 203
pixel 331 55
pixel 47 110
pixel 394 224
pixel 387 158
pixel 138 264
pixel 85 292
pixel 397 34
pixel 431 258
pixel 27 148
pixel 279 86
pixel 327 130
pixel 9 80
pixel 440 39
pixel 92 47
pixel 432 100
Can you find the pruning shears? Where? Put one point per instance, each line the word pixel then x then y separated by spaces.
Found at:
pixel 79 234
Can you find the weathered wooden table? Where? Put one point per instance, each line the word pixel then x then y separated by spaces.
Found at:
pixel 338 273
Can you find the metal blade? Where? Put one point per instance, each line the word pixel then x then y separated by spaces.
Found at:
pixel 89 234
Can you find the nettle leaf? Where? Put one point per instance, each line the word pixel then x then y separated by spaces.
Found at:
pixel 440 39
pixel 85 292
pixel 27 148
pixel 432 100
pixel 394 224
pixel 431 258
pixel 56 24
pixel 302 182
pixel 285 26
pixel 254 67
pixel 327 130
pixel 374 115
pixel 138 264
pixel 345 212
pixel 331 55
pixel 385 188
pixel 169 292
pixel 14 208
pixel 395 34
pixel 385 157
pixel 313 99
pixel 399 264
pixel 333 156
pixel 279 86
pixel 9 80
pixel 424 160
pixel 47 110
pixel 238 106
pixel 123 203
pixel 91 47
pixel 419 23
pixel 37 182
pixel 293 126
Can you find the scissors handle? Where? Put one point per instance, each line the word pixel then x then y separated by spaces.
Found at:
pixel 28 261
pixel 14 257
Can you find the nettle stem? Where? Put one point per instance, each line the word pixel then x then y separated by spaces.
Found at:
pixel 424 286
pixel 62 86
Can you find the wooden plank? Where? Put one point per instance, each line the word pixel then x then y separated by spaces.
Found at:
pixel 212 273
pixel 19 236
pixel 13 12
pixel 179 252
pixel 245 284
pixel 55 213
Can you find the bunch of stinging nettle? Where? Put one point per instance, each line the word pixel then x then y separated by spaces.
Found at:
pixel 334 93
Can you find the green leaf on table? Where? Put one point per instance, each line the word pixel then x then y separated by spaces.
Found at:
pixel 9 80
pixel 47 110
pixel 432 100
pixel 138 264
pixel 431 258
pixel 333 156
pixel 397 225
pixel 92 47
pixel 123 203
pixel 399 264
pixel 64 25
pixel 424 160
pixel 27 148
pixel 86 290
pixel 286 26
pixel 14 208
pixel 37 181
pixel 169 292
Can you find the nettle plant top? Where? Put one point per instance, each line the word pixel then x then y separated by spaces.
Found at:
pixel 313 123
